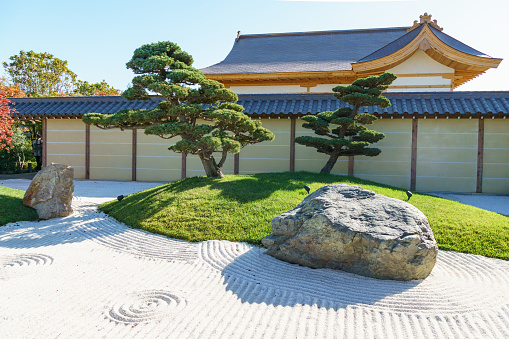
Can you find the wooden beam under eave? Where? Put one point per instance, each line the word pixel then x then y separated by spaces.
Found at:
pixel 413 157
pixel 134 147
pixel 87 151
pixel 44 142
pixel 480 155
pixel 292 144
pixel 288 82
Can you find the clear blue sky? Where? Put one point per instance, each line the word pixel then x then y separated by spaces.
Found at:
pixel 97 37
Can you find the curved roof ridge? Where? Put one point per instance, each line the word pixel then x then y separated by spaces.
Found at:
pixel 456 44
pixel 345 31
pixel 389 48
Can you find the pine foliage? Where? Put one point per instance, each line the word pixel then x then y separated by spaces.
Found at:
pixel 343 132
pixel 200 111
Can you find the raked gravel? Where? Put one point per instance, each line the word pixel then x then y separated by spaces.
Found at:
pixel 89 276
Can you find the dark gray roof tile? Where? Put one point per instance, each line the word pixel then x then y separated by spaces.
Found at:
pixel 303 52
pixel 456 44
pixel 418 103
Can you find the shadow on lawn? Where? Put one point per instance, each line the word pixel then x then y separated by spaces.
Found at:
pixel 242 189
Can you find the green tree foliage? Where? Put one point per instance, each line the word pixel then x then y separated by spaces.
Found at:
pixel 348 136
pixel 200 111
pixel 40 74
pixel 95 89
pixel 17 153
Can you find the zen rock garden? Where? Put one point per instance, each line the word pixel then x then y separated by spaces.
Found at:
pixel 349 228
pixel 50 192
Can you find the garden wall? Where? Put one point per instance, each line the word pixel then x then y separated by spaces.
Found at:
pixel 459 155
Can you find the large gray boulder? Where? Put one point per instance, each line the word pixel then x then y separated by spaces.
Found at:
pixel 50 192
pixel 349 228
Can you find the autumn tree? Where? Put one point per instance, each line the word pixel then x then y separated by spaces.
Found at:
pixel 5 122
pixel 40 74
pixel 7 91
pixel 342 132
pixel 200 111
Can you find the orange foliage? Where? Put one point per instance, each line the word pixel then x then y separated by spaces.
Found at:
pixel 11 91
pixel 5 122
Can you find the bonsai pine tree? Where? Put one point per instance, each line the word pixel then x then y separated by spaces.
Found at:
pixel 200 111
pixel 342 132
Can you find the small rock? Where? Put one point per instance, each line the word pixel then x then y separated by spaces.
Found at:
pixel 50 192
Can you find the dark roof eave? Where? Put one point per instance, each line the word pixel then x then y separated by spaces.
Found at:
pixel 406 104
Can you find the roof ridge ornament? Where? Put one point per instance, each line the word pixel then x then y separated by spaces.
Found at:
pixel 425 18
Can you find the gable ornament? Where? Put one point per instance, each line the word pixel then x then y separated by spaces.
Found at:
pixel 425 18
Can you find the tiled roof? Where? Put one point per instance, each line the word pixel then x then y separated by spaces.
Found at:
pixel 303 52
pixel 76 106
pixel 440 104
pixel 456 44
pixel 393 46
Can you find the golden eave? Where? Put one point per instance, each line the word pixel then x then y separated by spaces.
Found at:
pixel 285 78
pixel 436 49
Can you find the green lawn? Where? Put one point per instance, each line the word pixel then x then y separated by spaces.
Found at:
pixel 11 206
pixel 240 208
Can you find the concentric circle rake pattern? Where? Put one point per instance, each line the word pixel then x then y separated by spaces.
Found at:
pixel 146 306
pixel 27 259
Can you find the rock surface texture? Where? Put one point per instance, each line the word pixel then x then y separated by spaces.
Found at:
pixel 50 192
pixel 352 229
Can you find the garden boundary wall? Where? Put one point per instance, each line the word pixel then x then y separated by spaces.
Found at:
pixel 458 155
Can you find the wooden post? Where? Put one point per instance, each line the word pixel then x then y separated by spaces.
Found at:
pixel 184 164
pixel 44 142
pixel 87 151
pixel 134 151
pixel 480 155
pixel 236 161
pixel 292 144
pixel 413 161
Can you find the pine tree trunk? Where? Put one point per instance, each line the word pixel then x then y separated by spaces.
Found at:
pixel 210 166
pixel 330 164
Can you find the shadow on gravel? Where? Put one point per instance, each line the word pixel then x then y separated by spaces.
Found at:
pixel 259 278
pixel 78 227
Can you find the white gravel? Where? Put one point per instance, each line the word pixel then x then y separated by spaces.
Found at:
pixel 492 202
pixel 89 276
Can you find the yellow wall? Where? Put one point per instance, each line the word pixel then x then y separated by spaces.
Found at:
pixel 110 154
pixel 154 162
pixel 496 156
pixel 268 156
pixel 392 166
pixel 447 155
pixel 65 144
